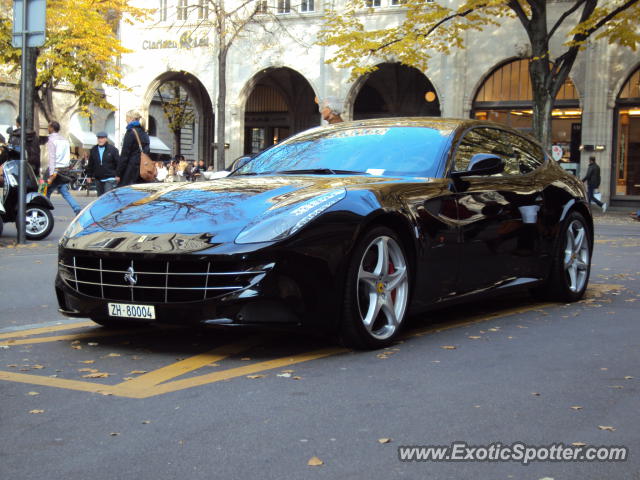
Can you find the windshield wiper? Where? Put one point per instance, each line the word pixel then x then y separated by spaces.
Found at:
pixel 320 171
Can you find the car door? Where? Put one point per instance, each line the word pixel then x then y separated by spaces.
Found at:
pixel 497 214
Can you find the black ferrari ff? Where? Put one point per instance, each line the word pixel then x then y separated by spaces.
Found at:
pixel 348 228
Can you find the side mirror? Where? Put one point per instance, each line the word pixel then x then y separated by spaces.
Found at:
pixel 482 164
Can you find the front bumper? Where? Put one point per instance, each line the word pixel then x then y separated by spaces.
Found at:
pixel 291 291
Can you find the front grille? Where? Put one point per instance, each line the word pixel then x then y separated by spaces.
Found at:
pixel 153 280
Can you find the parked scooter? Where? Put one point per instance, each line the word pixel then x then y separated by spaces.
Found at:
pixel 39 219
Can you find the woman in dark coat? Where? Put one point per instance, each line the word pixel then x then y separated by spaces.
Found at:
pixel 128 171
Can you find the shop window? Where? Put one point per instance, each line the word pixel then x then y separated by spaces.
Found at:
pixel 626 171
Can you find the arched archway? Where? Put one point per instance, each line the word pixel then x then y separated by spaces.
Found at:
pixel 505 96
pixel 278 102
pixel 626 162
pixel 394 90
pixel 194 136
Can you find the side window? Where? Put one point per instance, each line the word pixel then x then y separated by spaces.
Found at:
pixel 486 140
pixel 529 155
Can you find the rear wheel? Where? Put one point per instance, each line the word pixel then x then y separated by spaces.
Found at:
pixel 571 264
pixel 39 222
pixel 377 291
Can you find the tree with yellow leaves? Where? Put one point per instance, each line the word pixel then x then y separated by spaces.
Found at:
pixel 81 52
pixel 430 27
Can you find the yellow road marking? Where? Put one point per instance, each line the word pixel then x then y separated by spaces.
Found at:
pixel 53 328
pixel 149 380
pixel 72 336
pixel 157 382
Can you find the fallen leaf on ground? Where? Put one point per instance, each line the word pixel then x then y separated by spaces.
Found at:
pixel 535 394
pixel 578 444
pixel 36 411
pixel 76 347
pixel 628 377
pixel 315 462
pixel 616 386
pixel 448 347
pixel 113 355
pixel 607 428
pixel 93 344
pixel 285 375
pixel 254 376
pixel 96 375
pixel 75 342
pixel 88 362
pixel 576 407
pixel 114 434
pixel 384 440
pixel 90 370
pixel 245 359
pixel 38 367
pixel 146 422
pixel 296 378
pixel 33 394
pixel 137 372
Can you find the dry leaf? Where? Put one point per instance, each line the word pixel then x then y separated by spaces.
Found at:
pixel 315 462
pixel 288 371
pixel 616 386
pixel 127 378
pixel 628 377
pixel 296 378
pixel 33 394
pixel 38 367
pixel 113 355
pixel 474 337
pixel 137 372
pixel 93 344
pixel 607 428
pixel 384 440
pixel 146 422
pixel 36 411
pixel 576 407
pixel 96 375
pixel 254 376
pixel 578 444
pixel 284 375
pixel 90 370
pixel 448 347
pixel 88 362
pixel 535 394
pixel 114 434
pixel 75 342
pixel 76 347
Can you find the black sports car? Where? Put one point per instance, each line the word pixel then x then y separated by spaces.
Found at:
pixel 348 228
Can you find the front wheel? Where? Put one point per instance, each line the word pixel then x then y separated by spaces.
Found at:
pixel 377 291
pixel 39 222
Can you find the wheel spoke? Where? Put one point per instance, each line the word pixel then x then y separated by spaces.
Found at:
pixel 367 278
pixel 382 265
pixel 581 264
pixel 390 312
pixel 578 240
pixel 573 277
pixel 395 279
pixel 375 304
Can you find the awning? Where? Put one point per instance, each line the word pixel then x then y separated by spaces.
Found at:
pixel 83 139
pixel 158 146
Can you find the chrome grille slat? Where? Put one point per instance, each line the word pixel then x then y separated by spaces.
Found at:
pixel 184 280
pixel 248 272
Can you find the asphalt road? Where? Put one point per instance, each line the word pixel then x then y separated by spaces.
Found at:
pixel 79 402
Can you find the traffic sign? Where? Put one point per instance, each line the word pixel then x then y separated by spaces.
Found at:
pixel 35 24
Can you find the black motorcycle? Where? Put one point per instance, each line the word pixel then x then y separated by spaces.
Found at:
pixel 39 219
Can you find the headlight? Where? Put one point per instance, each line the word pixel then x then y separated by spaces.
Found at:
pixel 82 221
pixel 280 223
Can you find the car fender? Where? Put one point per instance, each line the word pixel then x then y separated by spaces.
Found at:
pixel 35 198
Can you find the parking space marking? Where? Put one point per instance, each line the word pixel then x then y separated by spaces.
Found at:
pixel 49 329
pixel 161 380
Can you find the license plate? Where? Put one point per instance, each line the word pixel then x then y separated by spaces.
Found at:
pixel 128 310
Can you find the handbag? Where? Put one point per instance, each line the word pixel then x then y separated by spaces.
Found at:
pixel 148 170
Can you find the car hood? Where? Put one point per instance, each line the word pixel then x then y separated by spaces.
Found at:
pixel 221 208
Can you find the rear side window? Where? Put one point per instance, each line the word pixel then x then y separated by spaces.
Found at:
pixel 486 140
pixel 529 155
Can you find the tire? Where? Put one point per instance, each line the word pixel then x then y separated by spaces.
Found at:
pixel 39 222
pixel 571 264
pixel 377 291
pixel 1 225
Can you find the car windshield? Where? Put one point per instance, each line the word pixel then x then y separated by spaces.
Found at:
pixel 380 151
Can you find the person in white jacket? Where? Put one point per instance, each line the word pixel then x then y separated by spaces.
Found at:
pixel 59 154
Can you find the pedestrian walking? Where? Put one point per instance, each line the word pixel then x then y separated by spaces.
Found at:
pixel 59 154
pixel 103 164
pixel 593 183
pixel 330 110
pixel 128 171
